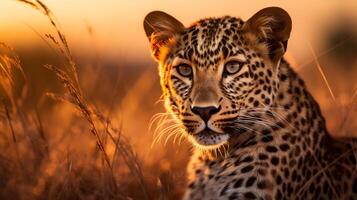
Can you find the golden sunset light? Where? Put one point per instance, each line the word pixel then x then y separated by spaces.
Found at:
pixel 110 100
pixel 118 24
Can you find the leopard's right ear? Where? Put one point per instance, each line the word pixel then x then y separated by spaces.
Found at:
pixel 271 25
pixel 160 28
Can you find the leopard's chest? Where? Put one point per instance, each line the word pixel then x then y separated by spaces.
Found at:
pixel 227 178
pixel 208 180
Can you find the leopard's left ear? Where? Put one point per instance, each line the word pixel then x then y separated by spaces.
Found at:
pixel 271 25
pixel 160 28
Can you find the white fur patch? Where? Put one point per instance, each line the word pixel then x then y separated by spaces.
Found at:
pixel 208 142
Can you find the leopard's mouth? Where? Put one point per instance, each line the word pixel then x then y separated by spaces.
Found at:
pixel 209 139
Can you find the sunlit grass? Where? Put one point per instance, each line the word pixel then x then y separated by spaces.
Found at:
pixel 66 145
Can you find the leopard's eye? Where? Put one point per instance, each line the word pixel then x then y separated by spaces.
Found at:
pixel 233 67
pixel 184 70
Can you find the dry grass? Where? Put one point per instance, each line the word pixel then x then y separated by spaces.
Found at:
pixel 40 169
pixel 66 144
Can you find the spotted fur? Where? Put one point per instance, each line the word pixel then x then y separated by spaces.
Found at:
pixel 268 130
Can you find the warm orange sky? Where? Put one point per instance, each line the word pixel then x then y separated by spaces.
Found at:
pixel 118 23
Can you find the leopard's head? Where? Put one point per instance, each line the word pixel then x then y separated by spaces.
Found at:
pixel 218 73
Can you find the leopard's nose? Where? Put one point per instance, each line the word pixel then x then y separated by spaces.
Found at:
pixel 205 112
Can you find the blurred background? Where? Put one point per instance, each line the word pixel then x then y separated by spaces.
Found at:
pixel 47 147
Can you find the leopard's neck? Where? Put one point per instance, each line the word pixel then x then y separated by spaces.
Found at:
pixel 298 107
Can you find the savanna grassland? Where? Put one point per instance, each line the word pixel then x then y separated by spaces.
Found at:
pixel 61 117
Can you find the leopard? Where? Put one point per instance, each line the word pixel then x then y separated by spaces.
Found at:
pixel 256 130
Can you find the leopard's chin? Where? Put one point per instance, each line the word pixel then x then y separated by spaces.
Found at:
pixel 208 139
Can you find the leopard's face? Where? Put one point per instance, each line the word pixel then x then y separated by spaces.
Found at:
pixel 216 78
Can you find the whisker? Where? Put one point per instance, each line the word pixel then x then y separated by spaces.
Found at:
pixel 156 117
pixel 163 132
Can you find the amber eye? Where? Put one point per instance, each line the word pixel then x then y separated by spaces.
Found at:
pixel 233 67
pixel 184 70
